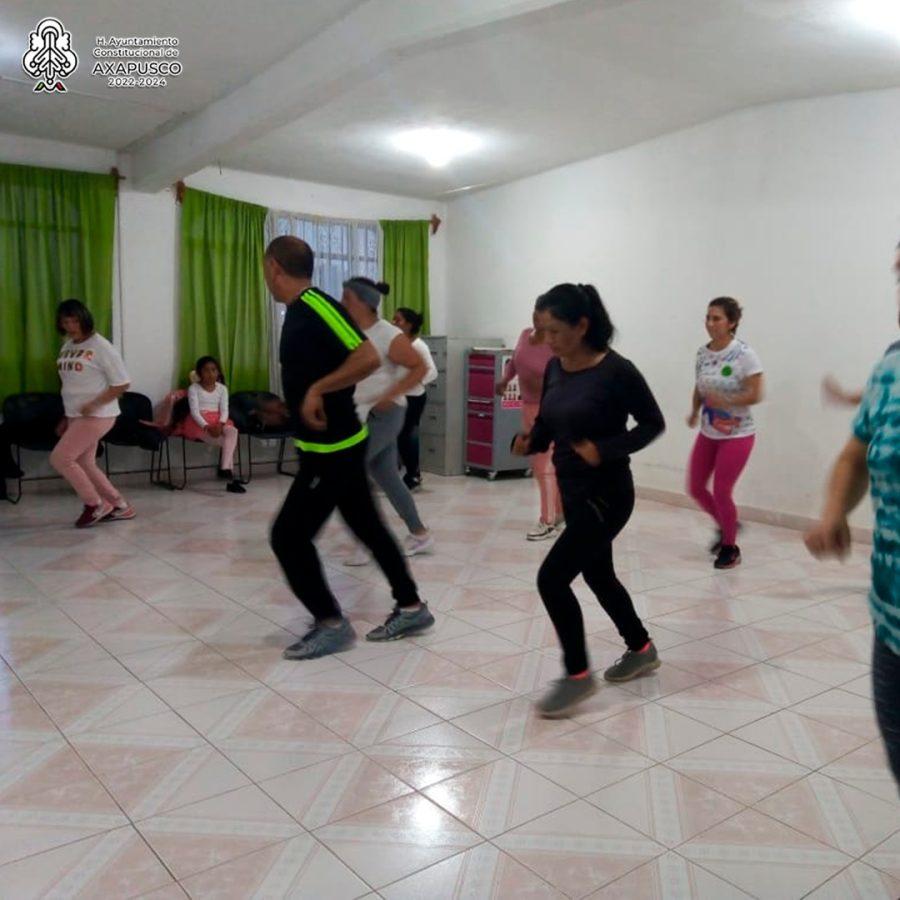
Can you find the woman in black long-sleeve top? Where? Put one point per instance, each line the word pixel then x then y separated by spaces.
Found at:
pixel 589 393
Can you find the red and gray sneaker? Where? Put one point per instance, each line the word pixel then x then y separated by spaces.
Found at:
pixel 126 511
pixel 728 557
pixel 91 515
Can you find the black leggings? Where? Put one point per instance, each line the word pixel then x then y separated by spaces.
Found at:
pixel 886 691
pixel 327 481
pixel 593 520
pixel 408 440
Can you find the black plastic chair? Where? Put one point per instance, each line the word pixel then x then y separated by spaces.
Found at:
pixel 243 408
pixel 30 421
pixel 130 431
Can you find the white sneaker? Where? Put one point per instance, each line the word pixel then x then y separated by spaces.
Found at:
pixel 412 545
pixel 359 557
pixel 541 532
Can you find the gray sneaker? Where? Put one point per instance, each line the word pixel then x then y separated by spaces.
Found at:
pixel 633 665
pixel 401 623
pixel 565 695
pixel 322 641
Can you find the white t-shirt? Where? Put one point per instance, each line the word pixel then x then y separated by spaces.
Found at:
pixel 201 400
pixel 370 390
pixel 431 375
pixel 86 370
pixel 724 372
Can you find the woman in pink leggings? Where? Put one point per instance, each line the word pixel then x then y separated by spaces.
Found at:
pixel 729 381
pixel 529 362
pixel 93 378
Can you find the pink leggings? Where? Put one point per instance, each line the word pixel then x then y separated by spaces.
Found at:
pixel 74 457
pixel 227 440
pixel 544 472
pixel 726 458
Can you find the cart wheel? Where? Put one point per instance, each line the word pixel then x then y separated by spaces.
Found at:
pixel 492 476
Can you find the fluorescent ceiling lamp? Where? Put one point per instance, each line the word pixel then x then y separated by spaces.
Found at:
pixel 437 146
pixel 880 15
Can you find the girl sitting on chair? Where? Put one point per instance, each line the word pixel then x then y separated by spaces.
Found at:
pixel 208 421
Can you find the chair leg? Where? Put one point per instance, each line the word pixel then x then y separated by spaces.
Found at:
pixel 280 467
pixel 156 476
pixel 18 497
pixel 240 460
pixel 155 466
pixel 184 471
pixel 105 447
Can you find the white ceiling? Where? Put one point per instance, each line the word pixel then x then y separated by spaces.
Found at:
pixel 223 45
pixel 542 86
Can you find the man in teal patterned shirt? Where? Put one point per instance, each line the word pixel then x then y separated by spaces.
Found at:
pixel 873 454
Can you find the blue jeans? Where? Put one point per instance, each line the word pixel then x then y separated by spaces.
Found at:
pixel 383 464
pixel 886 691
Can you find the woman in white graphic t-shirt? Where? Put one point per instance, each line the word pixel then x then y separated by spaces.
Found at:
pixel 93 378
pixel 729 381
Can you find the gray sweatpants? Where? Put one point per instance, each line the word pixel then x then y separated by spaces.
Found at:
pixel 383 464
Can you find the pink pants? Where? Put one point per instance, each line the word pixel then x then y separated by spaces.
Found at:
pixel 726 458
pixel 227 440
pixel 544 473
pixel 74 457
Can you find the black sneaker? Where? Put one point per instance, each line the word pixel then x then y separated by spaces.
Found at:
pixel 403 623
pixel 717 546
pixel 728 557
pixel 564 695
pixel 633 664
pixel 225 474
pixel 322 640
pixel 235 487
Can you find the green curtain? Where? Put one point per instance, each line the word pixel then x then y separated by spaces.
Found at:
pixel 56 242
pixel 223 295
pixel 405 267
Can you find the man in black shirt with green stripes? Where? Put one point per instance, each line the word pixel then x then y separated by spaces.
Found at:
pixel 323 356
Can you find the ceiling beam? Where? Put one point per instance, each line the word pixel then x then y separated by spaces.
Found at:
pixel 361 44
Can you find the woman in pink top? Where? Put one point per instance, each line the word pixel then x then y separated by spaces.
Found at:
pixel 529 360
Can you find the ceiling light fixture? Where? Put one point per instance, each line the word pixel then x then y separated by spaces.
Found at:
pixel 880 15
pixel 437 146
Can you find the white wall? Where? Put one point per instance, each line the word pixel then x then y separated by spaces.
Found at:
pixel 28 151
pixel 794 208
pixel 147 242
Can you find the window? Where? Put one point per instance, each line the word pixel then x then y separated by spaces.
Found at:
pixel 343 248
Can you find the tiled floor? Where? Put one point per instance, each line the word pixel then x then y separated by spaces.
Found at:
pixel 154 744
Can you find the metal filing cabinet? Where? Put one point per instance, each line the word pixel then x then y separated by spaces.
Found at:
pixel 491 421
pixel 442 428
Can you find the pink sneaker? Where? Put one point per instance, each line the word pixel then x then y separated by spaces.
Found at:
pixel 120 512
pixel 91 515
